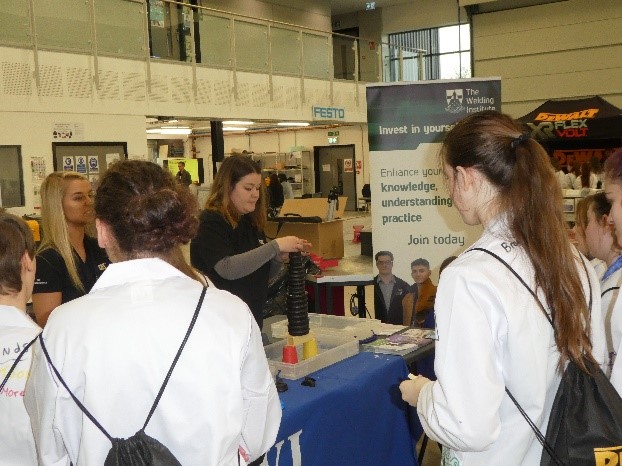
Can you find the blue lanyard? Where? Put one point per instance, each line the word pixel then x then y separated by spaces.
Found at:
pixel 613 268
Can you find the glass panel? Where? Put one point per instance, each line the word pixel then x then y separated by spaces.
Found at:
pixel 448 39
pixel 455 65
pixel 343 57
pixel 14 22
pixel 63 23
pixel 215 40
pixel 285 49
pixel 465 37
pixel 169 29
pixel 11 179
pixel 120 27
pixel 466 65
pixel 251 46
pixel 454 38
pixel 159 33
pixel 315 53
pixel 411 67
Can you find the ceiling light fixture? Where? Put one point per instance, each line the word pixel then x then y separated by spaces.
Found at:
pixel 184 130
pixel 176 131
pixel 293 123
pixel 234 128
pixel 237 122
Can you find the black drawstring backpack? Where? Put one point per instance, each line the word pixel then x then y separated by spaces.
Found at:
pixel 585 424
pixel 139 449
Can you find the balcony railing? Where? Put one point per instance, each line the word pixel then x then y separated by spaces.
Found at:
pixel 158 30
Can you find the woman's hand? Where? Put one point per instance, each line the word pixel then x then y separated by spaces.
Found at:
pixel 411 388
pixel 292 244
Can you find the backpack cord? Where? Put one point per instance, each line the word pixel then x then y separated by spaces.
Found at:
pixel 549 449
pixel 17 360
pixel 157 400
pixel 62 381
pixel 181 348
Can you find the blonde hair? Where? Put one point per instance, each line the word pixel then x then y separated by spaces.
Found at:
pixel 56 234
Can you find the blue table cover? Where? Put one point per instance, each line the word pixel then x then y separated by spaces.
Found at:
pixel 353 416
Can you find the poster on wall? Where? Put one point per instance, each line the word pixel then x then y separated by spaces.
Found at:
pixel 348 167
pixel 37 165
pixel 93 162
pixel 69 163
pixel 81 164
pixel 68 131
pixel 412 213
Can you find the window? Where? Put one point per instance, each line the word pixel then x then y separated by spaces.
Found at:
pixel 447 53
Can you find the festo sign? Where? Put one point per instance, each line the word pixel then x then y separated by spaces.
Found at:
pixel 329 113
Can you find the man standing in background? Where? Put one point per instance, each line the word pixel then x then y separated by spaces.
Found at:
pixel 389 290
pixel 183 177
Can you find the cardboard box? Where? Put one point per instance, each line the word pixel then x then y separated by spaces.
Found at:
pixel 326 237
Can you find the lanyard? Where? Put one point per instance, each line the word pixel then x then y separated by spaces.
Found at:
pixel 617 265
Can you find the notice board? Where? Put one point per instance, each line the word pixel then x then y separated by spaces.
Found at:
pixel 91 159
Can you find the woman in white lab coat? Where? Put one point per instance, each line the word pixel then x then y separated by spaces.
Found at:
pixel 220 399
pixel 17 275
pixel 613 191
pixel 603 245
pixel 491 333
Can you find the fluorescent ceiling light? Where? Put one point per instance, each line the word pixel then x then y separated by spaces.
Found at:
pixel 176 131
pixel 234 128
pixel 238 123
pixel 170 130
pixel 293 123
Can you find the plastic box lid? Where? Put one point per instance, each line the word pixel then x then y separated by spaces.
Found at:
pixel 352 327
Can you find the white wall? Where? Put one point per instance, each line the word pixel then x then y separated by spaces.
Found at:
pixel 558 50
pixel 420 15
pixel 33 132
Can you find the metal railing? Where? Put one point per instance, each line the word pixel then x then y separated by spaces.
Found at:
pixel 161 30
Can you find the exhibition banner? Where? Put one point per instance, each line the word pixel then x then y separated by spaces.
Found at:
pixel 412 213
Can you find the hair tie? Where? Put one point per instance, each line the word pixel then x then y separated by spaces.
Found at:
pixel 519 140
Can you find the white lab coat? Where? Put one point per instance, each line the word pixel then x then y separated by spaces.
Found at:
pixel 562 179
pixel 576 182
pixel 17 444
pixel 114 347
pixel 492 335
pixel 613 326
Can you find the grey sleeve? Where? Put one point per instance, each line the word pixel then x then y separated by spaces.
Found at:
pixel 275 266
pixel 241 265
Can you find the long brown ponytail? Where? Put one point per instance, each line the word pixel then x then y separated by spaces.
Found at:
pixel 529 195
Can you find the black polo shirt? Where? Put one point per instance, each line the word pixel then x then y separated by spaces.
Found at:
pixel 216 240
pixel 53 276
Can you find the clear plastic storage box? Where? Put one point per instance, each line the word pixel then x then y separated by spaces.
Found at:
pixel 353 327
pixel 331 349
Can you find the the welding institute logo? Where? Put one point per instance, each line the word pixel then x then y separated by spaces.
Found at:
pixel 454 99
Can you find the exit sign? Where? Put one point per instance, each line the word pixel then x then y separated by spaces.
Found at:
pixel 333 133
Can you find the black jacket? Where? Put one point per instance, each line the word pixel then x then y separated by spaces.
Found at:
pixel 393 313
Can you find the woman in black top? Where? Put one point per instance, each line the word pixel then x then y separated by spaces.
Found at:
pixel 231 248
pixel 69 262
